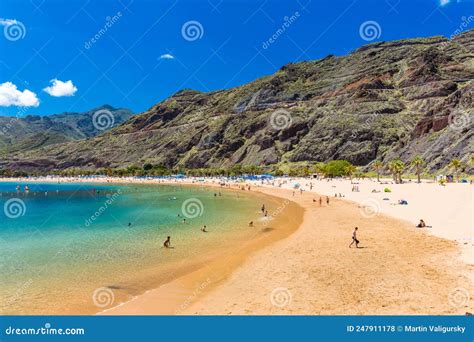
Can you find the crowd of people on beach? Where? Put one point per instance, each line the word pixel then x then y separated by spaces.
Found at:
pixel 264 210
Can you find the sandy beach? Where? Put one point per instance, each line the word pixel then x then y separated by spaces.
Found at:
pixel 400 269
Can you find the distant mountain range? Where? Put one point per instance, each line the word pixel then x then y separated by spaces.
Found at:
pixel 383 101
pixel 19 134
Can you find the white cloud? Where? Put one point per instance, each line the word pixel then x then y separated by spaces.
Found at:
pixel 444 2
pixel 11 96
pixel 7 22
pixel 60 88
pixel 167 56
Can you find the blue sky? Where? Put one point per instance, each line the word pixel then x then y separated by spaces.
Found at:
pixel 144 51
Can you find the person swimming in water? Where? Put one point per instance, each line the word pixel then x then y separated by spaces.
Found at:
pixel 167 243
pixel 251 224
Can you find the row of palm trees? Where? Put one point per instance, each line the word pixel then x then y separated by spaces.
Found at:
pixel 397 166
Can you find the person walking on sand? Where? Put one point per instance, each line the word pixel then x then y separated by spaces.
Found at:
pixel 320 201
pixel 203 229
pixel 263 208
pixel 167 243
pixel 327 200
pixel 354 238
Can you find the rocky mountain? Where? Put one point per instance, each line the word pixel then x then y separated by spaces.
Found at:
pixel 384 100
pixel 32 131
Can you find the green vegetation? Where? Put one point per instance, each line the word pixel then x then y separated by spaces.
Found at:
pixel 419 164
pixel 456 165
pixel 377 166
pixel 396 167
pixel 334 168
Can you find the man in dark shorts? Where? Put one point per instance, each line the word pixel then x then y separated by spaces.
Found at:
pixel 167 243
pixel 354 238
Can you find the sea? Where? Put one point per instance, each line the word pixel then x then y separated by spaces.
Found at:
pixel 61 244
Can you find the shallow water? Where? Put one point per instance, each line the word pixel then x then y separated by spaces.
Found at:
pixel 61 242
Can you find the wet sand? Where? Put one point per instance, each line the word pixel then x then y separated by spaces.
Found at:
pixel 398 270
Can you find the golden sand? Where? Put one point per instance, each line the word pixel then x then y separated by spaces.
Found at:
pixel 398 270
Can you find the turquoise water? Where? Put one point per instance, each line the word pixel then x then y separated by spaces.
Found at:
pixel 60 242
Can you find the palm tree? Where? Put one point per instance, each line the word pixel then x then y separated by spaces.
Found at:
pixel 456 165
pixel 377 165
pixel 419 164
pixel 392 168
pixel 396 166
pixel 350 170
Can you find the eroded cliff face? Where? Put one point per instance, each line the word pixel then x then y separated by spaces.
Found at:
pixel 385 100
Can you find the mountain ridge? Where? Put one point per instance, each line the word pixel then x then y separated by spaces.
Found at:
pixel 383 101
pixel 33 131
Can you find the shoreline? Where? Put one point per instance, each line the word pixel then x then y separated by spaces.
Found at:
pixel 174 297
pixel 440 253
pixel 209 270
pixel 451 220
